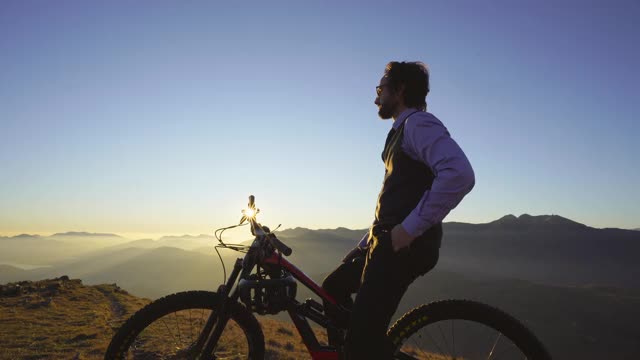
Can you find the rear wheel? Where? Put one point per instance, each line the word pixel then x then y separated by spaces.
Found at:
pixel 461 329
pixel 168 328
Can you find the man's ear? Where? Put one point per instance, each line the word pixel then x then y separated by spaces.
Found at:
pixel 400 91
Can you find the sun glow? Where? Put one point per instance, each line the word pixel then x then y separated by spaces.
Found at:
pixel 249 213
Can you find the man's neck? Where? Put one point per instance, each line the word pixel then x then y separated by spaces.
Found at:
pixel 398 111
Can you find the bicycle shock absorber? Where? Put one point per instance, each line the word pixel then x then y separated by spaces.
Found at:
pixel 250 259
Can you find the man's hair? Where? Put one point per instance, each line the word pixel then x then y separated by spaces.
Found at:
pixel 415 78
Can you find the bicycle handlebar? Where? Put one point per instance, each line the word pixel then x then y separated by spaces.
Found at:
pixel 280 245
pixel 258 230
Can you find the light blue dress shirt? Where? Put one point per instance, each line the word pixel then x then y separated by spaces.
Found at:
pixel 427 140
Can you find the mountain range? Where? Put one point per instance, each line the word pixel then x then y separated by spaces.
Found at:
pixel 548 249
pixel 576 286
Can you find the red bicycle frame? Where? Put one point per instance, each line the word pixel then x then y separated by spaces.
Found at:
pixel 299 314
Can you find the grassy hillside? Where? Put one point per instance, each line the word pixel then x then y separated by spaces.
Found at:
pixel 63 319
pixel 60 318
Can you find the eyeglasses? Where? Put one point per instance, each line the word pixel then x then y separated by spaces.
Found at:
pixel 379 88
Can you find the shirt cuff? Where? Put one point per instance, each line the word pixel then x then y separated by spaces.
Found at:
pixel 363 242
pixel 414 225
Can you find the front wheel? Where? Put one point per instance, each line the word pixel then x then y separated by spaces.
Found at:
pixel 462 329
pixel 169 327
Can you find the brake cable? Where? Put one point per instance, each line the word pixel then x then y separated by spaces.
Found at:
pixel 236 247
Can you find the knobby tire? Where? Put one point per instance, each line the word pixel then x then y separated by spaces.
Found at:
pixel 191 302
pixel 430 315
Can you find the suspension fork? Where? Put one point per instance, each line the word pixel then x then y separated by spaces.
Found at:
pixel 209 336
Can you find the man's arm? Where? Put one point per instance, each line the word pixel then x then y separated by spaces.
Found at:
pixel 365 239
pixel 359 249
pixel 428 141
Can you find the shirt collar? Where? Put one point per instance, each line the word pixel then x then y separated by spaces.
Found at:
pixel 403 116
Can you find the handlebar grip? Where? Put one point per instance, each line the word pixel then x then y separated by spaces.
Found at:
pixel 280 246
pixel 252 200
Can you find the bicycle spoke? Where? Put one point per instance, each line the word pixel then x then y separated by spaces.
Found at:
pixel 507 350
pixel 444 339
pixel 453 339
pixel 439 349
pixel 420 348
pixel 175 315
pixel 458 340
pixel 494 346
pixel 168 329
pixel 190 327
pixel 166 340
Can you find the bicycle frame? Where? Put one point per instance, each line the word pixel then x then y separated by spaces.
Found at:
pixel 299 312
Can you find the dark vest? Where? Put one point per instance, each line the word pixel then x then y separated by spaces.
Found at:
pixel 405 182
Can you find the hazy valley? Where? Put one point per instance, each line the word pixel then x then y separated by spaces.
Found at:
pixel 575 286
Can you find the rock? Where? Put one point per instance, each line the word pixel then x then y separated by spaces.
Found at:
pixel 11 290
pixel 83 337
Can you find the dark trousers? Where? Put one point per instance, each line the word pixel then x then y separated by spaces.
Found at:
pixel 380 277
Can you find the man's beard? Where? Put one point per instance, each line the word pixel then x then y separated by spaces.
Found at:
pixel 385 112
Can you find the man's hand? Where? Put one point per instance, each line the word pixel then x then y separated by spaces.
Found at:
pixel 400 238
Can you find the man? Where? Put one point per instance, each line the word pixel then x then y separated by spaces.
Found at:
pixel 426 176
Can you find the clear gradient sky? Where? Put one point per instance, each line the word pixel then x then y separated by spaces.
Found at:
pixel 161 117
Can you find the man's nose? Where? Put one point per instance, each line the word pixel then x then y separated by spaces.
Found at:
pixel 377 101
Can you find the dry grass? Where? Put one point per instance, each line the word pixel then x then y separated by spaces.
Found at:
pixel 60 318
pixel 63 319
pixel 282 340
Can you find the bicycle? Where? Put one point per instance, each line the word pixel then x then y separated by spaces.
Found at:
pixel 222 325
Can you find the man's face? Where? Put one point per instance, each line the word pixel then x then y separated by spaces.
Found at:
pixel 386 99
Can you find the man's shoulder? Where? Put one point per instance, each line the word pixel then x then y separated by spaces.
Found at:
pixel 423 120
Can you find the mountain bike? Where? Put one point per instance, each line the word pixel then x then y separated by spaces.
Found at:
pixel 222 325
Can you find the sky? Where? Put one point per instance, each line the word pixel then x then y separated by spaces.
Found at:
pixel 161 117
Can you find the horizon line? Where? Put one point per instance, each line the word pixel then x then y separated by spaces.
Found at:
pixel 156 236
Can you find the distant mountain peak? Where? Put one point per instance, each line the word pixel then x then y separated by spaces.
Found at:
pixel 507 219
pixel 81 233
pixel 526 219
pixel 297 231
pixel 185 237
pixel 25 236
